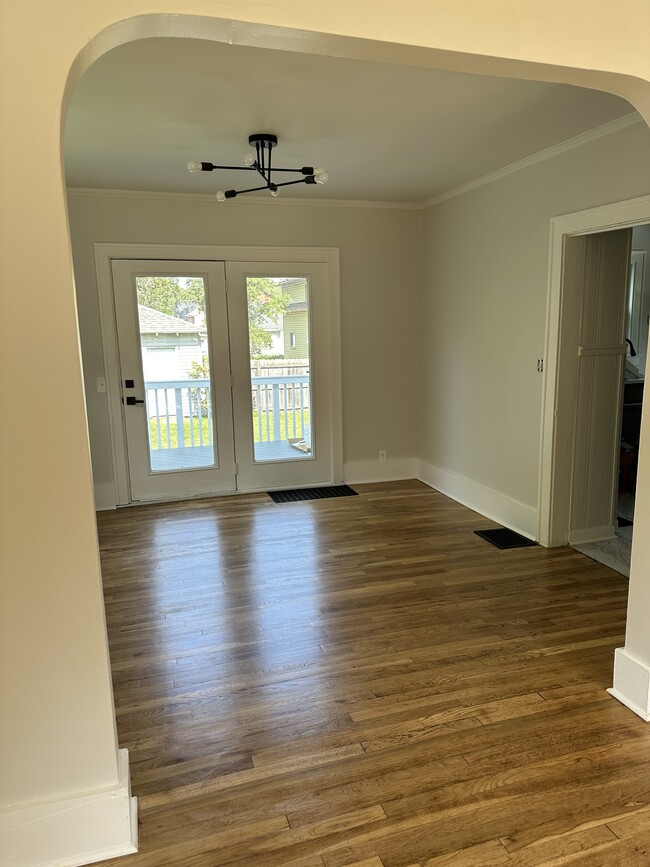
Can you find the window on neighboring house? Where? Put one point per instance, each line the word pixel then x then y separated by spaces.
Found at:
pixel 292 340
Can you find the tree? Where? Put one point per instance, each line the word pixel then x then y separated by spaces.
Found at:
pixel 265 300
pixel 266 303
pixel 202 370
pixel 170 295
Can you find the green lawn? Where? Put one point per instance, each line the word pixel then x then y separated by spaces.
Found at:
pixel 171 433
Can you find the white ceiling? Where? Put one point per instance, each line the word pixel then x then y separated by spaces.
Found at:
pixel 383 132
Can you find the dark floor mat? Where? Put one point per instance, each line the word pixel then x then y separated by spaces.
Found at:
pixel 504 538
pixel 311 494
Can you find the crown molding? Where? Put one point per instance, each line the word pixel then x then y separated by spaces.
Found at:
pixel 545 154
pixel 248 200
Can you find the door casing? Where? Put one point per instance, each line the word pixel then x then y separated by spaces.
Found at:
pixel 564 295
pixel 105 253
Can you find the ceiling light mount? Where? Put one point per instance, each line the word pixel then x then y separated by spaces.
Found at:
pixel 263 142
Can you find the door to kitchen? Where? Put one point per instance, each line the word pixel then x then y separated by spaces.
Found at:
pixel 225 375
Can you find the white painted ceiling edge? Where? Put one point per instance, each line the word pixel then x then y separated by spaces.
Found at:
pixel 386 132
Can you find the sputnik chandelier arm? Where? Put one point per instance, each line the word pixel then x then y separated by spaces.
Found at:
pixel 261 163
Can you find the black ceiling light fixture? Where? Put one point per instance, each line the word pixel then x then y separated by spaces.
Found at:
pixel 263 142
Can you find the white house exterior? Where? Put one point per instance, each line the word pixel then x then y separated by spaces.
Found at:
pixel 169 345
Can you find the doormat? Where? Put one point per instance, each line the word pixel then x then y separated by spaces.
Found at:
pixel 504 538
pixel 311 494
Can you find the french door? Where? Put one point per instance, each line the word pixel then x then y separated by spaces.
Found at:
pixel 225 375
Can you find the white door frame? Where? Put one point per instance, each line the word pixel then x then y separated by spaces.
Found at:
pixel 104 253
pixel 554 480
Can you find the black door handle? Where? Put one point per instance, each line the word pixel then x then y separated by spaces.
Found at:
pixel 131 401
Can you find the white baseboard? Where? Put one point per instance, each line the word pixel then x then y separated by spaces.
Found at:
pixel 490 503
pixel 73 831
pixel 592 534
pixel 353 471
pixel 631 683
pixel 105 496
pixel 494 505
pixel 380 471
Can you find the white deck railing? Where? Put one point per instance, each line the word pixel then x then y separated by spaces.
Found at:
pixel 279 402
pixel 275 397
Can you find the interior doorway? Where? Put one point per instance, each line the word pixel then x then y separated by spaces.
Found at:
pixel 614 549
pixel 589 352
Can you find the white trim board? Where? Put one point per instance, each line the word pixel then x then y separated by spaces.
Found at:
pixel 248 200
pixel 592 534
pixel 105 496
pixel 546 154
pixel 631 683
pixel 73 831
pixel 486 501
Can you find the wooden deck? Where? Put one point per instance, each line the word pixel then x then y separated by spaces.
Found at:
pixel 364 681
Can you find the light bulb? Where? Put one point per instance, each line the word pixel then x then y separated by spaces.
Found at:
pixel 249 160
pixel 221 196
pixel 319 170
pixel 194 167
pixel 275 192
pixel 321 176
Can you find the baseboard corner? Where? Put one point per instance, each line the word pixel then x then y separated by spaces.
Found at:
pixel 73 831
pixel 592 534
pixel 105 496
pixel 491 504
pixel 631 683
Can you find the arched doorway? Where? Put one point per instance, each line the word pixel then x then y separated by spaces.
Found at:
pixel 54 617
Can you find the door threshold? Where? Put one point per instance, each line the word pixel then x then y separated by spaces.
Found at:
pixel 210 496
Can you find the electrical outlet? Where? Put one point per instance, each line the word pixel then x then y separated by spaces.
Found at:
pixel 382 455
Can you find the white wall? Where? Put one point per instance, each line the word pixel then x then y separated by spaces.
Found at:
pixel 484 308
pixel 380 279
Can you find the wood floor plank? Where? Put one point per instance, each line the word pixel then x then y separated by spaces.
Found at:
pixel 562 849
pixel 364 682
pixel 636 823
pixel 490 854
pixel 367 862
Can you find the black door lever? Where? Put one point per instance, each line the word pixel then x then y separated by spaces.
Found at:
pixel 131 401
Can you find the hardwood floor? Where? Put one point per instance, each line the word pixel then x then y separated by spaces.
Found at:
pixel 363 681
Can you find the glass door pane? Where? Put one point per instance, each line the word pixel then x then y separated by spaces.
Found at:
pixel 175 363
pixel 280 364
